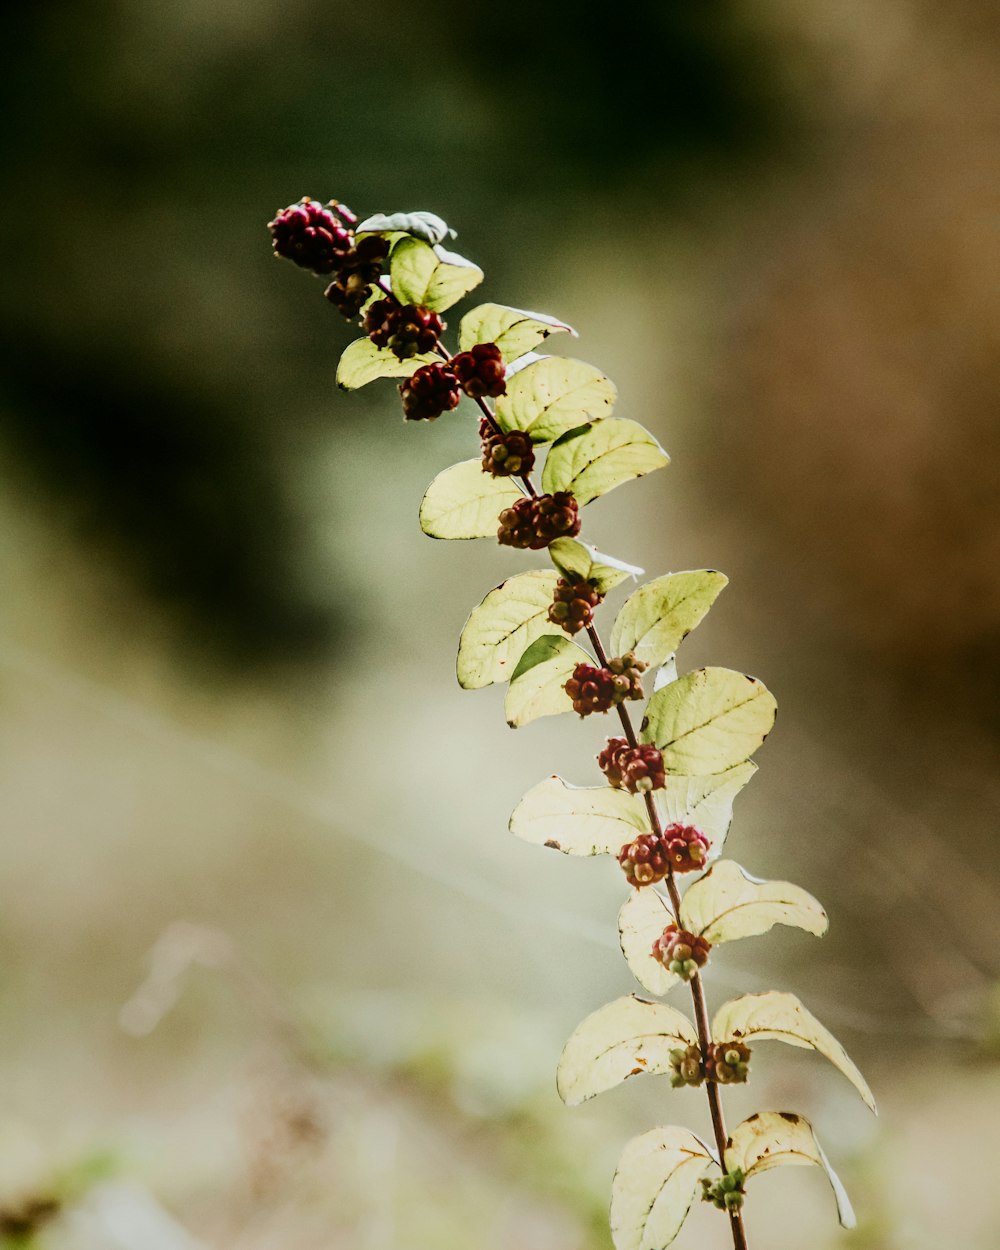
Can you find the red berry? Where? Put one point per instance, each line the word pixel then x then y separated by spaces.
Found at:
pixel 505 455
pixel 573 605
pixel 480 371
pixel 591 689
pixel 680 952
pixel 429 392
pixel 636 769
pixel 534 523
pixel 728 1063
pixel 685 847
pixel 407 330
pixel 644 860
pixel 312 235
pixel 357 271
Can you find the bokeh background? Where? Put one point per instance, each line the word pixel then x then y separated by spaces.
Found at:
pixel 271 970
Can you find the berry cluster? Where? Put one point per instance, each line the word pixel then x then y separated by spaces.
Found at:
pixel 726 1194
pixel 406 329
pixel 680 952
pixel 480 371
pixel 533 523
pixel 728 1063
pixel 686 1066
pixel 573 605
pixel 312 235
pixel 686 848
pixel 505 455
pixel 644 860
pixel 429 392
pixel 362 266
pixel 600 689
pixel 635 769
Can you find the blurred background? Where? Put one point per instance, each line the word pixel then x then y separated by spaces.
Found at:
pixel 272 972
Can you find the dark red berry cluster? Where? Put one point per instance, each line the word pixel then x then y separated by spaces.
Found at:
pixel 644 860
pixel 636 769
pixel 505 455
pixel 680 952
pixel 600 689
pixel 480 371
pixel 312 235
pixel 534 523
pixel 573 605
pixel 686 1066
pixel 362 266
pixel 728 1063
pixel 685 847
pixel 429 392
pixel 406 329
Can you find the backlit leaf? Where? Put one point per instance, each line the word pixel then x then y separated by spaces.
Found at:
pixel 622 1039
pixel 773 1139
pixel 363 362
pixel 536 686
pixel 642 919
pixel 580 562
pixel 465 502
pixel 591 461
pixel 426 226
pixel 554 395
pixel 514 330
pixel 428 275
pixel 727 903
pixel 658 1177
pixel 705 802
pixel 500 629
pixel 656 619
pixel 709 720
pixel 578 820
pixel 780 1017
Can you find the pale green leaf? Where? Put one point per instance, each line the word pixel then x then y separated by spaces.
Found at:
pixel 500 629
pixel 705 802
pixel 656 619
pixel 773 1139
pixel 363 362
pixel 465 502
pixel 780 1017
pixel 428 275
pixel 622 1039
pixel 658 1177
pixel 426 226
pixel 591 461
pixel 554 395
pixel 727 903
pixel 642 919
pixel 708 720
pixel 536 686
pixel 514 330
pixel 578 561
pixel 578 820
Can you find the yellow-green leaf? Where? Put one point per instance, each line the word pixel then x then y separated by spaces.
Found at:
pixel 642 919
pixel 705 802
pixel 465 502
pixel 554 395
pixel 658 1177
pixel 580 562
pixel 536 687
pixel 363 362
pixel 727 903
pixel 578 820
pixel 514 330
pixel 656 619
pixel 622 1039
pixel 596 459
pixel 500 629
pixel 780 1017
pixel 424 273
pixel 709 720
pixel 773 1139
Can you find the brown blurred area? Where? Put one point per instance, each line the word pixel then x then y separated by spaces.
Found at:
pixel 271 970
